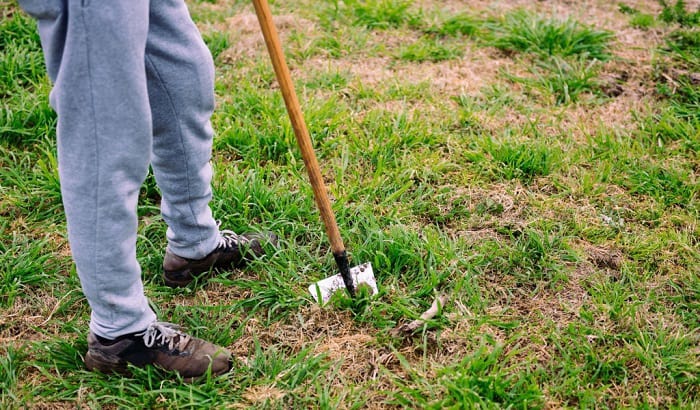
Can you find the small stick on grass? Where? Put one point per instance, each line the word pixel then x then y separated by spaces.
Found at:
pixel 411 327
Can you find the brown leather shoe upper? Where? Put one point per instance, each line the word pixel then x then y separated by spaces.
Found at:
pixel 233 251
pixel 161 344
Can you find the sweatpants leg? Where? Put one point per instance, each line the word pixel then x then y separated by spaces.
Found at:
pixel 95 52
pixel 180 74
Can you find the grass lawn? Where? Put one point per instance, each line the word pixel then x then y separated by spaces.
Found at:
pixel 535 163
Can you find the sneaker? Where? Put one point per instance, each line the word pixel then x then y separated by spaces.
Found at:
pixel 233 250
pixel 161 344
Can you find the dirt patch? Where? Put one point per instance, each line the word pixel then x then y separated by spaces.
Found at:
pixel 626 78
pixel 212 294
pixel 246 37
pixel 605 258
pixel 447 78
pixel 546 305
pixel 330 332
pixel 32 317
pixel 262 394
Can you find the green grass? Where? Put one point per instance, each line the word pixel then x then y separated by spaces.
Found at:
pixel 430 49
pixel 565 54
pixel 638 19
pixel 678 13
pixel 457 26
pixel 468 152
pixel 642 21
pixel 561 81
pixel 26 115
pixel 383 13
pixel 527 32
pixel 521 161
pixel 217 42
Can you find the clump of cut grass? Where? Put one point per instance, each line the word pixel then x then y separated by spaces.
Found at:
pixel 524 31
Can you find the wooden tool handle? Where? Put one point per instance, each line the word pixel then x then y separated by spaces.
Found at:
pixel 262 9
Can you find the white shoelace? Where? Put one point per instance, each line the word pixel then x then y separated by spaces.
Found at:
pixel 230 239
pixel 164 333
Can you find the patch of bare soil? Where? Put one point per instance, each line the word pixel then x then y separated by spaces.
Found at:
pixel 491 208
pixel 626 79
pixel 256 395
pixel 213 294
pixel 330 331
pixel 604 258
pixel 32 318
pixel 449 78
pixel 246 37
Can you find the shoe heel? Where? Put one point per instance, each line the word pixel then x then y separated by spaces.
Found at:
pixel 96 361
pixel 176 283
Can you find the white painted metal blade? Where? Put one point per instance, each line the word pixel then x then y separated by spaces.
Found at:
pixel 361 275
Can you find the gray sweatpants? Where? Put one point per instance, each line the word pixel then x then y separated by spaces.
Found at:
pixel 133 86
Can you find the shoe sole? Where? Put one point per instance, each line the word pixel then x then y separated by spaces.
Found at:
pixel 174 283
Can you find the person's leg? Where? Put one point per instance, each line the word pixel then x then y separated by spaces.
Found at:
pixel 180 74
pixel 95 56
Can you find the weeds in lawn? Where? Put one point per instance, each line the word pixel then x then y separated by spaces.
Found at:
pixel 562 81
pixel 384 13
pixel 638 20
pixel 456 26
pixel 678 13
pixel 430 49
pixel 523 31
